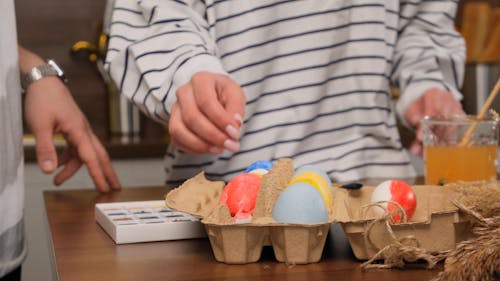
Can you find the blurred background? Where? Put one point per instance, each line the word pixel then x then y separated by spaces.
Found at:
pixel 74 34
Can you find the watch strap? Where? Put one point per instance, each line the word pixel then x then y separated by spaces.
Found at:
pixel 44 70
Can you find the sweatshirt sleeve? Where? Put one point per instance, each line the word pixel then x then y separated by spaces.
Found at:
pixel 429 51
pixel 155 47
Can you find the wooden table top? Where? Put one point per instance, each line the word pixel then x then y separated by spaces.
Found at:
pixel 83 251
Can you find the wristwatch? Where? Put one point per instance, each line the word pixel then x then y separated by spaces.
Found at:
pixel 36 73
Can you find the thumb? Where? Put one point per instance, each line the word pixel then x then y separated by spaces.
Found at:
pixel 45 151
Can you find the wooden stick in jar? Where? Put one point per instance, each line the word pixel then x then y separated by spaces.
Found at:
pixel 486 106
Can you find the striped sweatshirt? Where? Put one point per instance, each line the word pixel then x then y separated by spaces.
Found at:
pixel 316 75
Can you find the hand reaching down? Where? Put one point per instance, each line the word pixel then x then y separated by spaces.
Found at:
pixel 50 109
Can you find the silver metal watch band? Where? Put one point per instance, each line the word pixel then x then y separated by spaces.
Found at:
pixel 48 69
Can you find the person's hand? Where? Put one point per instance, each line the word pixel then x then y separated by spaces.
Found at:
pixel 433 102
pixel 207 116
pixel 50 109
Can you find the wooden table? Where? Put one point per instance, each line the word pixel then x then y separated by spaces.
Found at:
pixel 83 251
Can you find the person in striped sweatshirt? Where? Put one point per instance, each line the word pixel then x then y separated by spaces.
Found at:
pixel 237 81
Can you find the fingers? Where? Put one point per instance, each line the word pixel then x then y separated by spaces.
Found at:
pixel 184 139
pixel 89 157
pixel 105 163
pixel 69 169
pixel 102 173
pixel 433 102
pixel 64 157
pixel 226 113
pixel 50 108
pixel 439 102
pixel 45 150
pixel 197 122
pixel 235 101
pixel 207 115
pixel 79 138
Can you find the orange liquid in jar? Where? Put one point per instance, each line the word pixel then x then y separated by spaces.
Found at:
pixel 445 164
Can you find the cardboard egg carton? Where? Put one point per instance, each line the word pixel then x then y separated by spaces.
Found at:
pixel 236 243
pixel 436 224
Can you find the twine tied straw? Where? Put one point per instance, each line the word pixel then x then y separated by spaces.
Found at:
pixel 401 250
pixel 486 106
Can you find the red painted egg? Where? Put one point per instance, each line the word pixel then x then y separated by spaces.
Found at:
pixel 395 191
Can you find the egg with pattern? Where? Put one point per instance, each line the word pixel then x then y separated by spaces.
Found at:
pixel 394 191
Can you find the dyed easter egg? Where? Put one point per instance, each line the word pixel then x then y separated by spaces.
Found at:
pixel 300 203
pixel 396 191
pixel 259 172
pixel 240 194
pixel 314 169
pixel 259 167
pixel 318 182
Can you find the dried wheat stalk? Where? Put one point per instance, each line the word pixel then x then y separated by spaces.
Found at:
pixel 477 258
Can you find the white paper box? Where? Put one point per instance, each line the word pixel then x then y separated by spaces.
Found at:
pixel 146 221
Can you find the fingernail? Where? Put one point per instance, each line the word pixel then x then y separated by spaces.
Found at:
pixel 238 118
pixel 232 132
pixel 231 145
pixel 215 150
pixel 47 165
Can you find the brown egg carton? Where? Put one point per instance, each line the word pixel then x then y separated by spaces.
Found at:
pixel 235 243
pixel 293 244
pixel 437 224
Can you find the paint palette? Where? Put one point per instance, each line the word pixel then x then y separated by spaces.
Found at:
pixel 146 221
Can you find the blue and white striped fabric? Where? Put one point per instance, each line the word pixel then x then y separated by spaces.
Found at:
pixel 317 74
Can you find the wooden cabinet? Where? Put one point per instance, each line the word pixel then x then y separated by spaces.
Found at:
pixel 479 23
pixel 50 28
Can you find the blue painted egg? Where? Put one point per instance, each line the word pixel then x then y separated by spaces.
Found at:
pixel 300 203
pixel 260 164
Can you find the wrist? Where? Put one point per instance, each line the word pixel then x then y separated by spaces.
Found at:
pixel 43 70
pixel 28 60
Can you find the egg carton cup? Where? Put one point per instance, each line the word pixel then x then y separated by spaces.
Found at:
pixel 241 243
pixel 436 225
pixel 292 244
